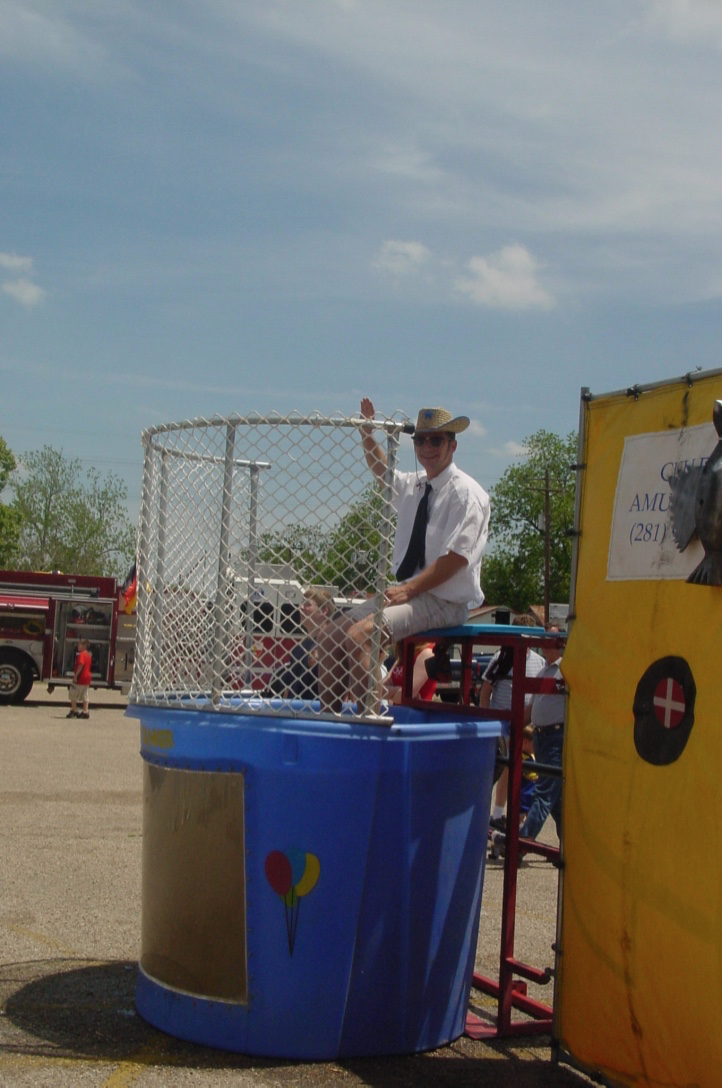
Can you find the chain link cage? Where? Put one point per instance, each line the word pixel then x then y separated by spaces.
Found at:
pixel 258 535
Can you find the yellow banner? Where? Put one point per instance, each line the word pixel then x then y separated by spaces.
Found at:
pixel 639 994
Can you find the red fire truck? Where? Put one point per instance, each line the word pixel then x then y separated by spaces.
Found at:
pixel 42 617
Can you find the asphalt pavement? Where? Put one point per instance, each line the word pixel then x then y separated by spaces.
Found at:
pixel 70 906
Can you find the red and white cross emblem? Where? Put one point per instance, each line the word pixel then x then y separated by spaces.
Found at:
pixel 669 703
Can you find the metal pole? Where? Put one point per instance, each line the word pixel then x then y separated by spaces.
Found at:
pixel 547 545
pixel 373 696
pixel 223 582
pixel 143 549
pixel 252 570
pixel 159 580
pixel 511 852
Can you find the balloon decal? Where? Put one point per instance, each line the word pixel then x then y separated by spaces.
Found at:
pixel 292 875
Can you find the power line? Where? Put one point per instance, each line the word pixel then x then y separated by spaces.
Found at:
pixel 109 461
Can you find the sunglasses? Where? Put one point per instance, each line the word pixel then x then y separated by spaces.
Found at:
pixel 434 440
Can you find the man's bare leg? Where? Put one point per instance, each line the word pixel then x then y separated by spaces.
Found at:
pixel 358 643
pixel 344 664
pixel 333 671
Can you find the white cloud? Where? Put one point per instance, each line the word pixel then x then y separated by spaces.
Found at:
pixel 409 163
pixel 15 263
pixel 509 449
pixel 24 291
pixel 59 38
pixel 506 280
pixel 475 428
pixel 589 132
pixel 402 258
pixel 689 20
pixel 22 288
pixel 515 449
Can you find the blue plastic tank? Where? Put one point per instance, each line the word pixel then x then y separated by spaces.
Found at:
pixel 311 888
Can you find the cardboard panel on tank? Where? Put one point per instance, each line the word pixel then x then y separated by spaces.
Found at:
pixel 194 895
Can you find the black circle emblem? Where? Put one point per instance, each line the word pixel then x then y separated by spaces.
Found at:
pixel 664 710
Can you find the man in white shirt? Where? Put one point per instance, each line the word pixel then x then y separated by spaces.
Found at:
pixel 437 565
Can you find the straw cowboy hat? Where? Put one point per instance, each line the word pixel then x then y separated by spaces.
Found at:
pixel 438 419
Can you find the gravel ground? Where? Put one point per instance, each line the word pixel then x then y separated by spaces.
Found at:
pixel 70 930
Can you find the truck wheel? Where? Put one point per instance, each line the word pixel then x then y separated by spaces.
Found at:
pixel 16 677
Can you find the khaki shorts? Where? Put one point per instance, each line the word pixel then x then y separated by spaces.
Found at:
pixel 79 692
pixel 424 613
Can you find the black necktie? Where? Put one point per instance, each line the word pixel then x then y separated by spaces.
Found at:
pixel 416 552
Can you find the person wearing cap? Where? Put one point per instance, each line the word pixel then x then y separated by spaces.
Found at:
pixel 437 586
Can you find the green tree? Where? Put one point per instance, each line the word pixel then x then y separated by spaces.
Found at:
pixel 345 556
pixel 513 570
pixel 302 547
pixel 9 518
pixel 507 579
pixel 71 519
pixel 352 547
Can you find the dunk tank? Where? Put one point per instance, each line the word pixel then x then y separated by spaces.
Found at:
pixel 312 878
pixel 639 995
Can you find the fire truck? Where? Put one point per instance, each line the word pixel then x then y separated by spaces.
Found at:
pixel 42 618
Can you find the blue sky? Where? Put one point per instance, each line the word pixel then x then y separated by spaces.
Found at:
pixel 252 205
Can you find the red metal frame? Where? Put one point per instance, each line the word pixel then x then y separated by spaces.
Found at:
pixel 509 989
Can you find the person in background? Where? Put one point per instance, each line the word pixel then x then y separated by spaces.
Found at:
pixel 299 678
pixel 547 715
pixel 422 686
pixel 528 778
pixel 495 693
pixel 80 686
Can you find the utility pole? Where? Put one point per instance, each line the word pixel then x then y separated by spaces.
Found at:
pixel 547 546
pixel 545 527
